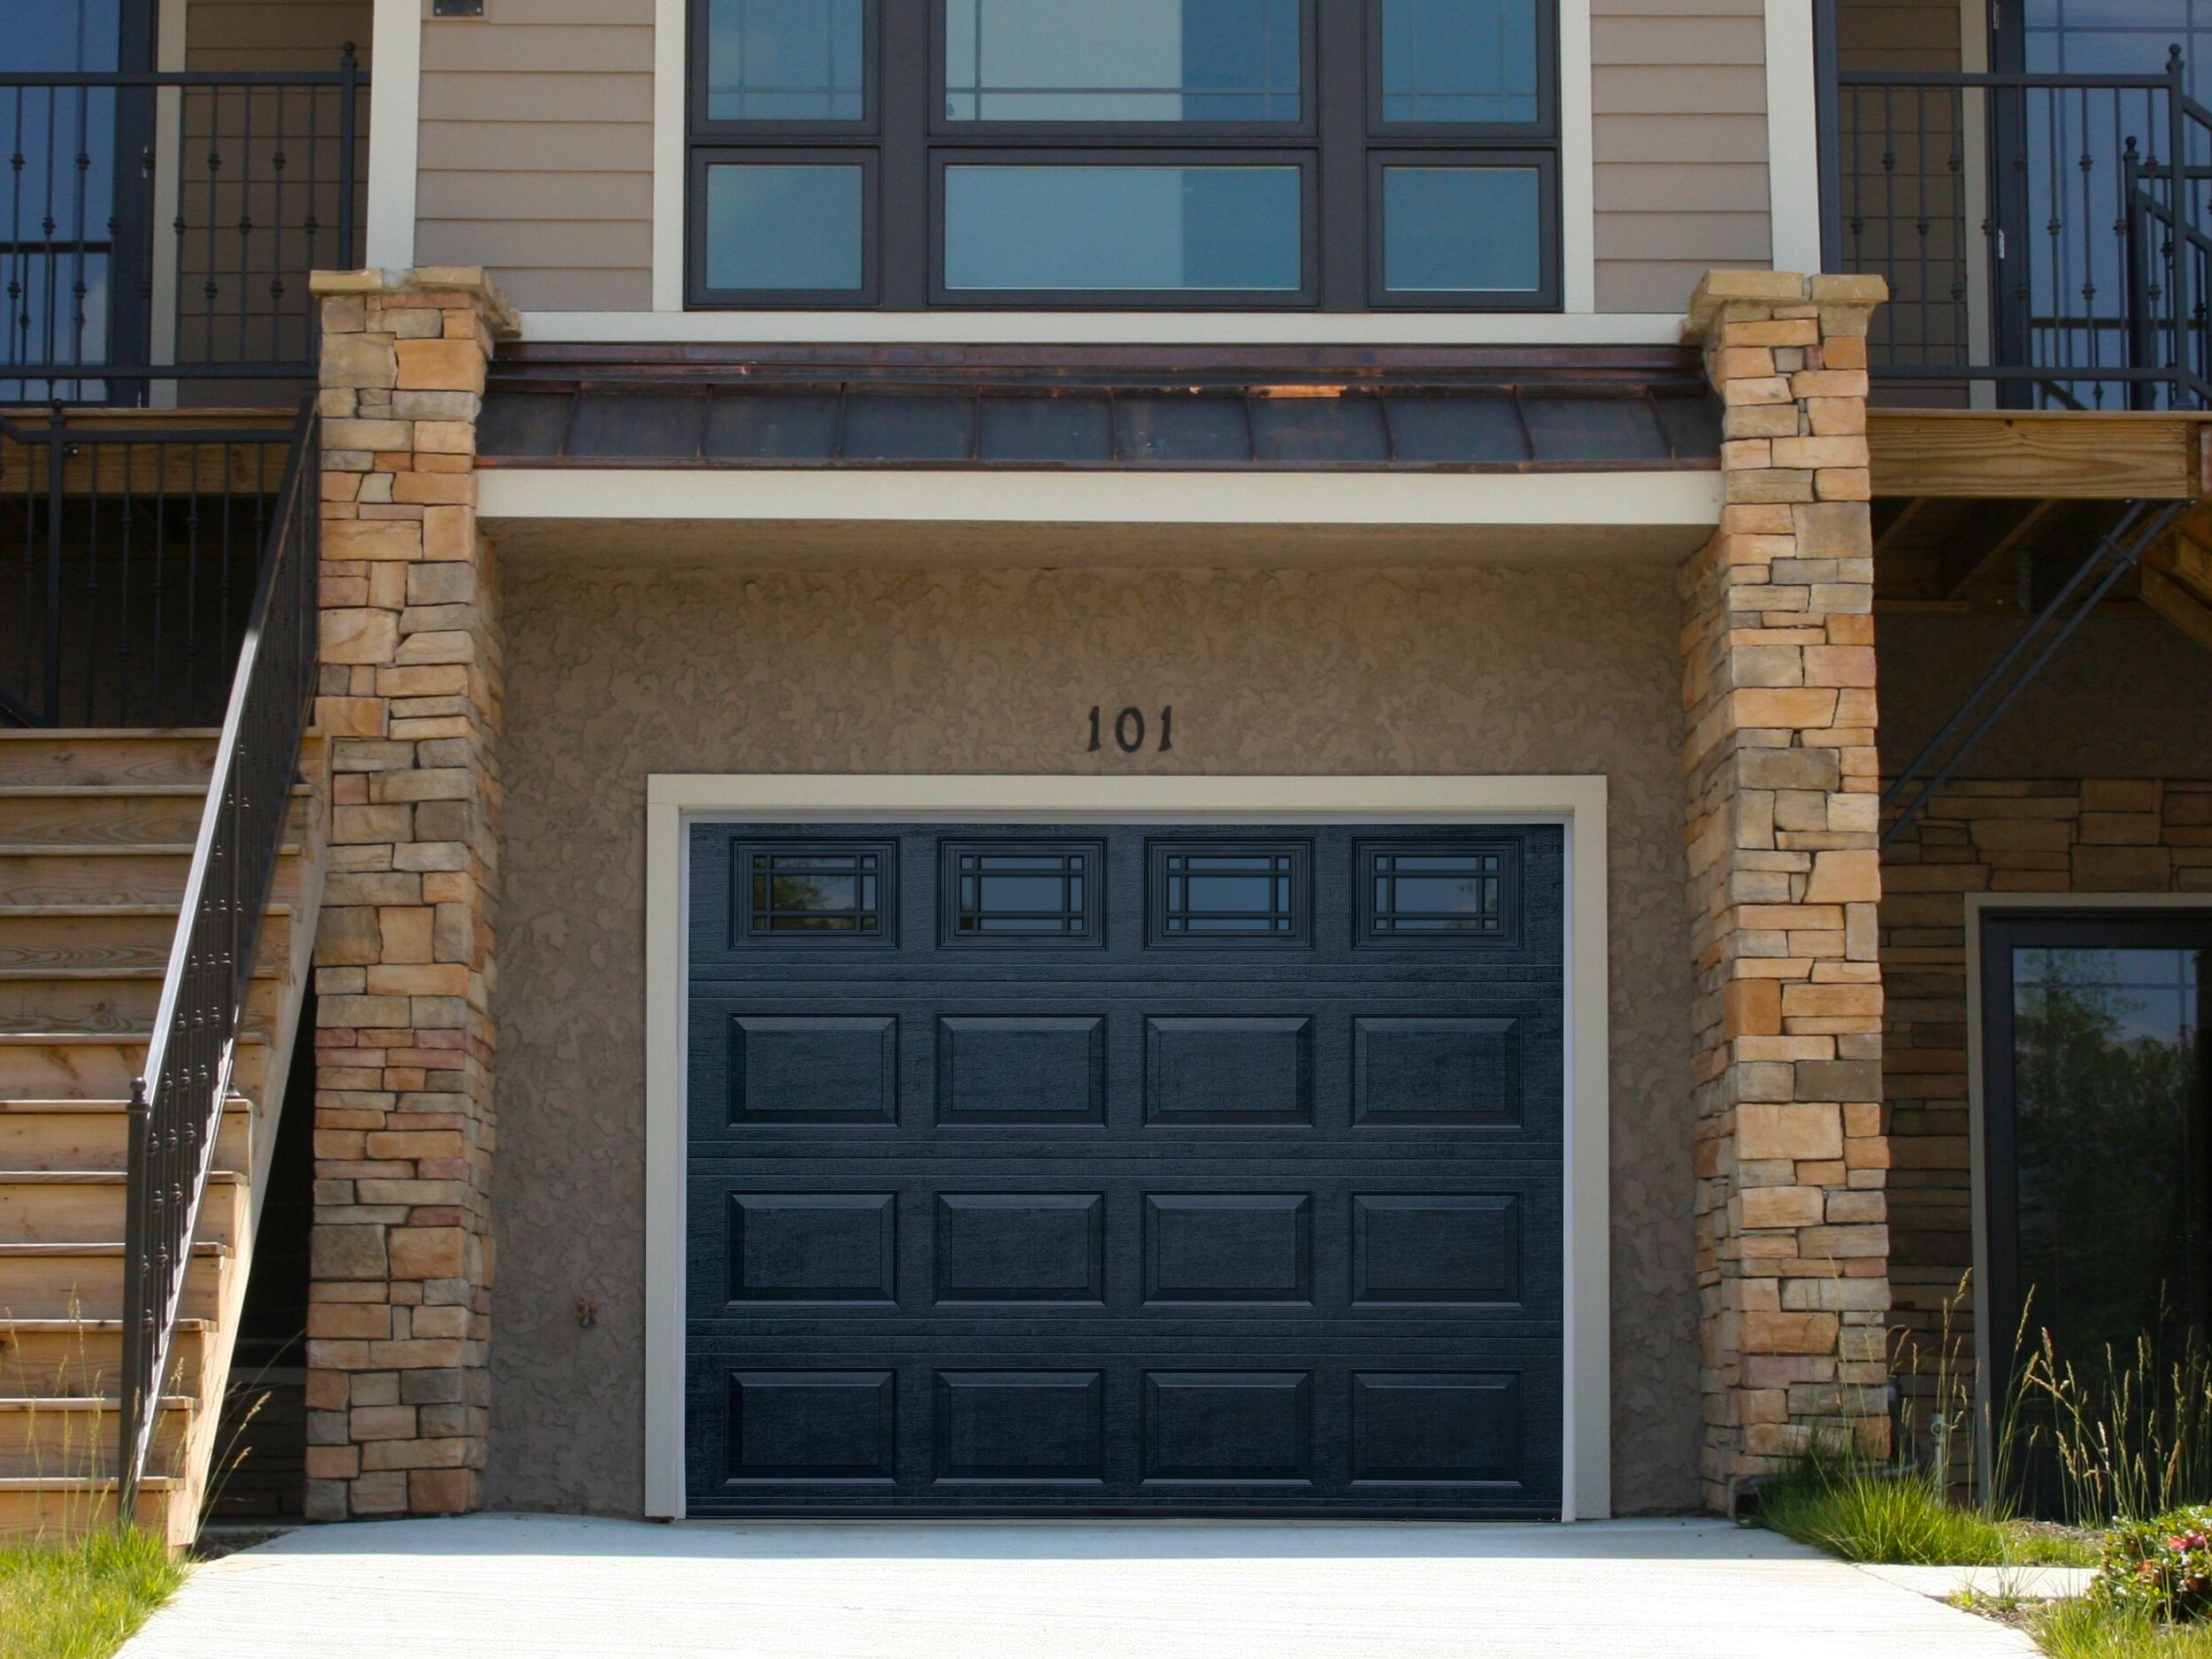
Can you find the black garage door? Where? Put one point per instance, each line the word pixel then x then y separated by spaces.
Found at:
pixel 1124 1168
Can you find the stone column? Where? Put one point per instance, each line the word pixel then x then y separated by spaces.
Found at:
pixel 1783 781
pixel 399 1315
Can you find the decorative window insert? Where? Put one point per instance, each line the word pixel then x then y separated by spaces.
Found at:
pixel 1141 154
pixel 1223 894
pixel 1022 893
pixel 1437 893
pixel 816 892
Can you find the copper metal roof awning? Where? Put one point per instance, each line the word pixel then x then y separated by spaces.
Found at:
pixel 1467 410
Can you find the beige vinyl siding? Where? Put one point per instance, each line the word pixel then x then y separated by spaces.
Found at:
pixel 268 35
pixel 1918 35
pixel 537 150
pixel 1678 94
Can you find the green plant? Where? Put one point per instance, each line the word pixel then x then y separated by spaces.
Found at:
pixel 2128 1438
pixel 1868 1514
pixel 2086 1629
pixel 81 1599
pixel 2162 1567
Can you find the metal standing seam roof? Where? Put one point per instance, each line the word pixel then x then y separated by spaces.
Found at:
pixel 1399 424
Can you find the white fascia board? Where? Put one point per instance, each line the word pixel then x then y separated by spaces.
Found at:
pixel 851 495
pixel 1792 137
pixel 1577 162
pixel 669 36
pixel 395 133
pixel 672 326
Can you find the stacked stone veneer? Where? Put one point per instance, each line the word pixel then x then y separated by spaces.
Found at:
pixel 399 1313
pixel 1783 784
pixel 2104 835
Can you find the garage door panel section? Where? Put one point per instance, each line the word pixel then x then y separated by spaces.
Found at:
pixel 1119 1168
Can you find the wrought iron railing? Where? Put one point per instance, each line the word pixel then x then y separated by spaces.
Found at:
pixel 177 1103
pixel 2046 238
pixel 161 226
pixel 129 548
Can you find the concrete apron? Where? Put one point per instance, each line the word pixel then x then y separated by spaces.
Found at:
pixel 559 1587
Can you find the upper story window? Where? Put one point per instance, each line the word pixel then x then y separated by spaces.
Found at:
pixel 1341 155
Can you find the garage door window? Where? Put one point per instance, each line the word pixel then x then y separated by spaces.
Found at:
pixel 797 893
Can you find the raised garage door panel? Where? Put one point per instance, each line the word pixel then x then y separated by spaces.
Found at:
pixel 1124 1168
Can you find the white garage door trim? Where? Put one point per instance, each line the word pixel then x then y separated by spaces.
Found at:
pixel 674 800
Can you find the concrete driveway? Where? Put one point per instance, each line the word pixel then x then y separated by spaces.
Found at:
pixel 555 1587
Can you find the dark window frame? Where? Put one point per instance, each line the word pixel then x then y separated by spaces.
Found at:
pixel 705 157
pixel 702 125
pixel 1298 936
pixel 949 909
pixel 1544 295
pixel 1372 937
pixel 745 934
pixel 2002 932
pixel 1397 132
pixel 1149 134
pixel 944 298
pixel 1337 143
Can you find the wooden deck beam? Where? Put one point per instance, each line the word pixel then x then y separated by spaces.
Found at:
pixel 2059 454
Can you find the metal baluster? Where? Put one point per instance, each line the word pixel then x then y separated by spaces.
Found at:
pixel 52 650
pixel 245 223
pixel 209 287
pixel 276 235
pixel 192 579
pixel 78 287
pixel 126 646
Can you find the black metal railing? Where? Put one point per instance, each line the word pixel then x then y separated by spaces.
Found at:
pixel 177 1102
pixel 129 544
pixel 2047 235
pixel 161 226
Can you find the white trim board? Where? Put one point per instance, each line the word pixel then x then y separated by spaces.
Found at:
pixel 1978 905
pixel 675 800
pixel 1577 195
pixel 972 496
pixel 1792 137
pixel 395 133
pixel 675 326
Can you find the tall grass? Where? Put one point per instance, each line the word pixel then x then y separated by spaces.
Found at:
pixel 2084 1629
pixel 2129 1435
pixel 81 1599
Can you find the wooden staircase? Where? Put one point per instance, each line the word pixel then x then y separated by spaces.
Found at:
pixel 97 831
pixel 2177 574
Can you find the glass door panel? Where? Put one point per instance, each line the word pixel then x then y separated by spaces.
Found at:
pixel 2094 1135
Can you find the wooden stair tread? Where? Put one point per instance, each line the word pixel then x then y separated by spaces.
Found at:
pixel 112 791
pixel 129 1033
pixel 116 1249
pixel 64 1327
pixel 235 1103
pixel 114 849
pixel 100 1178
pixel 83 1483
pixel 105 912
pixel 111 733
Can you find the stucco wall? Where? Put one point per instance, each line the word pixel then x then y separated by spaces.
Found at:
pixel 2107 706
pixel 612 676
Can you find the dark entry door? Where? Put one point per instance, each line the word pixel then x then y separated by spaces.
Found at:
pixel 2097 1158
pixel 1124 1168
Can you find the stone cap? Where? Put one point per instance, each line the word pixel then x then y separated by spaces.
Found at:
pixel 1719 288
pixel 499 312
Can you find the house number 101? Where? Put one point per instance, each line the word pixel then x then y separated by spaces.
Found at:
pixel 1128 730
